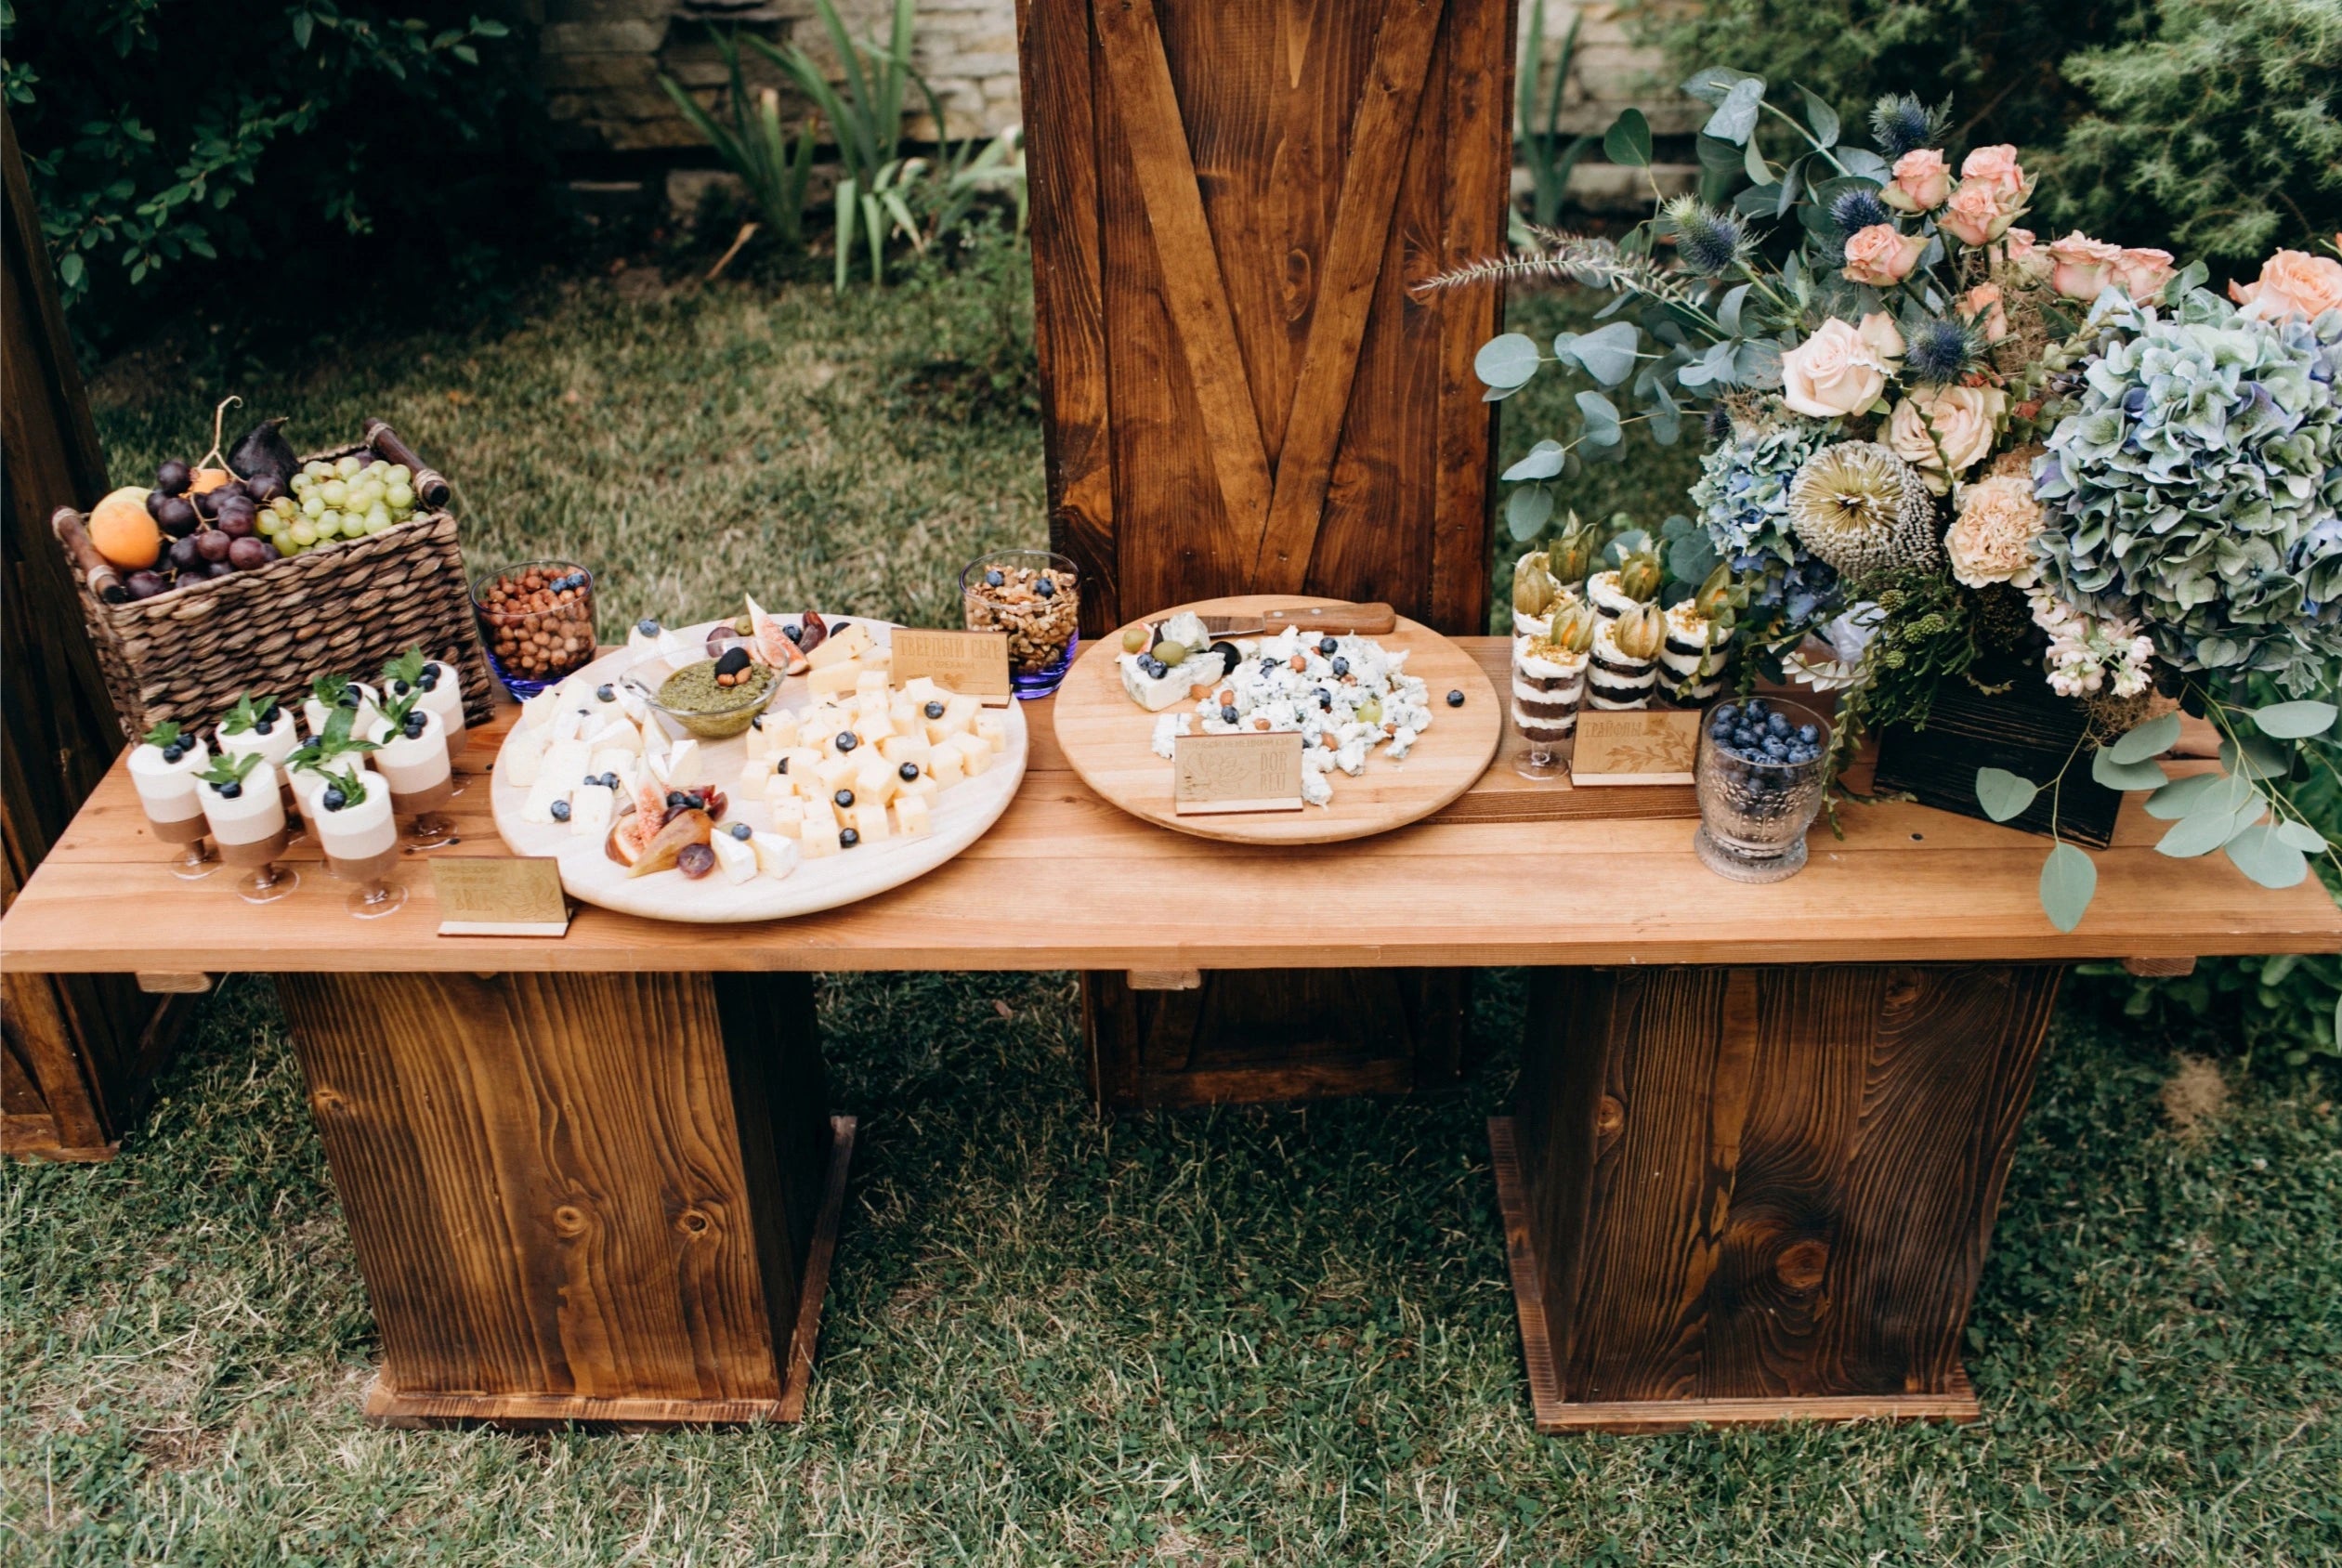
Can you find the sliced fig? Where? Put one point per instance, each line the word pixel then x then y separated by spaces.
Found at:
pixel 683 829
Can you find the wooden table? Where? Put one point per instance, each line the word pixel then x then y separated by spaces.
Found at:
pixel 1752 1169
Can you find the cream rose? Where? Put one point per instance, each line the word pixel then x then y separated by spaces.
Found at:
pixel 2081 268
pixel 1991 540
pixel 1922 181
pixel 1977 214
pixel 1997 168
pixel 1885 338
pixel 2292 283
pixel 1945 431
pixel 1985 301
pixel 2026 262
pixel 1832 374
pixel 2142 274
pixel 1879 256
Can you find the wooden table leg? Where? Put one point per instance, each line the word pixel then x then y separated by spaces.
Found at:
pixel 600 1197
pixel 1737 1195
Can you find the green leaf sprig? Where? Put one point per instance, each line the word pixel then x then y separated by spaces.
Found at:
pixel 229 768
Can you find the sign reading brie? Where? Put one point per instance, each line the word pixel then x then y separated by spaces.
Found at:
pixel 500 895
pixel 1231 773
pixel 1639 746
pixel 973 663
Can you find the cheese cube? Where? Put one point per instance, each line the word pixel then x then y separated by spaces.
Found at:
pixel 779 792
pixel 833 679
pixel 974 755
pixel 568 723
pixel 993 729
pixel 817 725
pixel 870 822
pixel 550 787
pixel 835 772
pixel 523 753
pixel 833 749
pixel 615 734
pixel 818 841
pixel 799 762
pixel 900 749
pixel 920 689
pixel 924 786
pixel 771 733
pixel 911 818
pixel 869 682
pixel 881 660
pixel 841 648
pixel 947 765
pixel 756 772
pixel 875 783
pixel 735 857
pixel 537 712
pixel 591 809
pixel 874 727
pixel 776 857
pixel 677 767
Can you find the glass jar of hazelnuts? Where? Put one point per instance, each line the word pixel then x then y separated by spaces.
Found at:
pixel 536 620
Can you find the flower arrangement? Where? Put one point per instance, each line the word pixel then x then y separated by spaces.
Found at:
pixel 1941 445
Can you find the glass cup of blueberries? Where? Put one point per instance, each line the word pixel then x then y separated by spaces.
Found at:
pixel 1759 778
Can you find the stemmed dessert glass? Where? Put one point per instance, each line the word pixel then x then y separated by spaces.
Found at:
pixel 246 817
pixel 361 840
pixel 163 771
pixel 410 756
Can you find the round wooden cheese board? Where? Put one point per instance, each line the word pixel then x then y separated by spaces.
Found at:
pixel 962 814
pixel 1109 739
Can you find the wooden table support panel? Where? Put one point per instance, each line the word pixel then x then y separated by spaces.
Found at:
pixel 1744 1194
pixel 578 1197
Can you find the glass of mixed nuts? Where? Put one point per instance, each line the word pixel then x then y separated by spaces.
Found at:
pixel 1033 596
pixel 537 619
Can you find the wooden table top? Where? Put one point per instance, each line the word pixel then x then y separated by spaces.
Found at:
pixel 1510 873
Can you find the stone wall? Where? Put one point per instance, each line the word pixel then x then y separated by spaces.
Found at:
pixel 602 60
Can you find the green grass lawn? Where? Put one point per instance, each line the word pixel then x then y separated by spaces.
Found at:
pixel 1256 1336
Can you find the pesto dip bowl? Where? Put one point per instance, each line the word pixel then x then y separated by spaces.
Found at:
pixel 681 687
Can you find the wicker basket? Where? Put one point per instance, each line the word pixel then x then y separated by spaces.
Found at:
pixel 184 657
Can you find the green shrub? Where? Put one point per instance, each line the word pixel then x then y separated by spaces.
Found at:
pixel 2219 133
pixel 267 149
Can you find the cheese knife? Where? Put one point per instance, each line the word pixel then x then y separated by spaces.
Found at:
pixel 1365 620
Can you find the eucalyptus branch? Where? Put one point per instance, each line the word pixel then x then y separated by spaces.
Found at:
pixel 1812 139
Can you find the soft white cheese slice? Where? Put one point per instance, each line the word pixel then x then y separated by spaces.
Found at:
pixel 615 734
pixel 518 763
pixel 591 808
pixel 735 857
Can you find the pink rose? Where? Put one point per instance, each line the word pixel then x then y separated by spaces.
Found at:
pixel 2027 262
pixel 2081 268
pixel 1832 374
pixel 1945 431
pixel 2292 283
pixel 1921 182
pixel 1880 256
pixel 1984 300
pixel 2142 274
pixel 1996 168
pixel 1977 214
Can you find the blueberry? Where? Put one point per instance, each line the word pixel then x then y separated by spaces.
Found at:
pixel 610 781
pixel 1342 666
pixel 1777 724
pixel 677 800
pixel 174 751
pixel 795 633
pixel 609 693
pixel 399 688
pixel 560 811
pixel 741 831
pixel 431 679
pixel 263 727
pixel 349 697
pixel 782 766
pixel 1046 588
pixel 847 740
pixel 1327 646
pixel 1776 748
pixel 1725 716
pixel 1754 708
pixel 335 800
pixel 646 626
pixel 1324 700
pixel 1455 699
pixel 934 710
pixel 271 710
pixel 231 789
pixel 845 798
pixel 848 838
pixel 1227 715
pixel 994 578
pixel 908 771
pixel 1810 734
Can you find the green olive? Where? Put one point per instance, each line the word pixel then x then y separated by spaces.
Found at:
pixel 1370 712
pixel 1134 640
pixel 1171 652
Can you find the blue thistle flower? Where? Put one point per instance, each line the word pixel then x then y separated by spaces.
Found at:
pixel 1901 123
pixel 1708 240
pixel 1717 424
pixel 1853 211
pixel 1938 352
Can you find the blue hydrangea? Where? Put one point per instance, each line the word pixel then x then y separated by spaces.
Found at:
pixel 2198 480
pixel 1743 497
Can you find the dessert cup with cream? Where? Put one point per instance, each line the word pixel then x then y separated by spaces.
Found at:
pixel 162 769
pixel 351 814
pixel 244 810
pixel 412 757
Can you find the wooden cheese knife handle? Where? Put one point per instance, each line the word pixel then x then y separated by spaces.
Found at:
pixel 1365 620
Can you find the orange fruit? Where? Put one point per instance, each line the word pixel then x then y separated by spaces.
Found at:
pixel 123 532
pixel 204 479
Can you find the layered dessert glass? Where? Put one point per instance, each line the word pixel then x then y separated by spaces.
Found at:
pixel 363 700
pixel 164 773
pixel 355 828
pixel 247 821
pixel 410 756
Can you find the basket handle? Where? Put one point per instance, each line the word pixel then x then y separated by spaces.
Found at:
pixel 99 572
pixel 430 485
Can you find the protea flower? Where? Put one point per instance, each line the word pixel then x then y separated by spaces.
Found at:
pixel 1858 507
pixel 1901 123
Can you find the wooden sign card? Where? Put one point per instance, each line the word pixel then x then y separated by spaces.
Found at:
pixel 500 895
pixel 972 664
pixel 1213 774
pixel 1639 746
